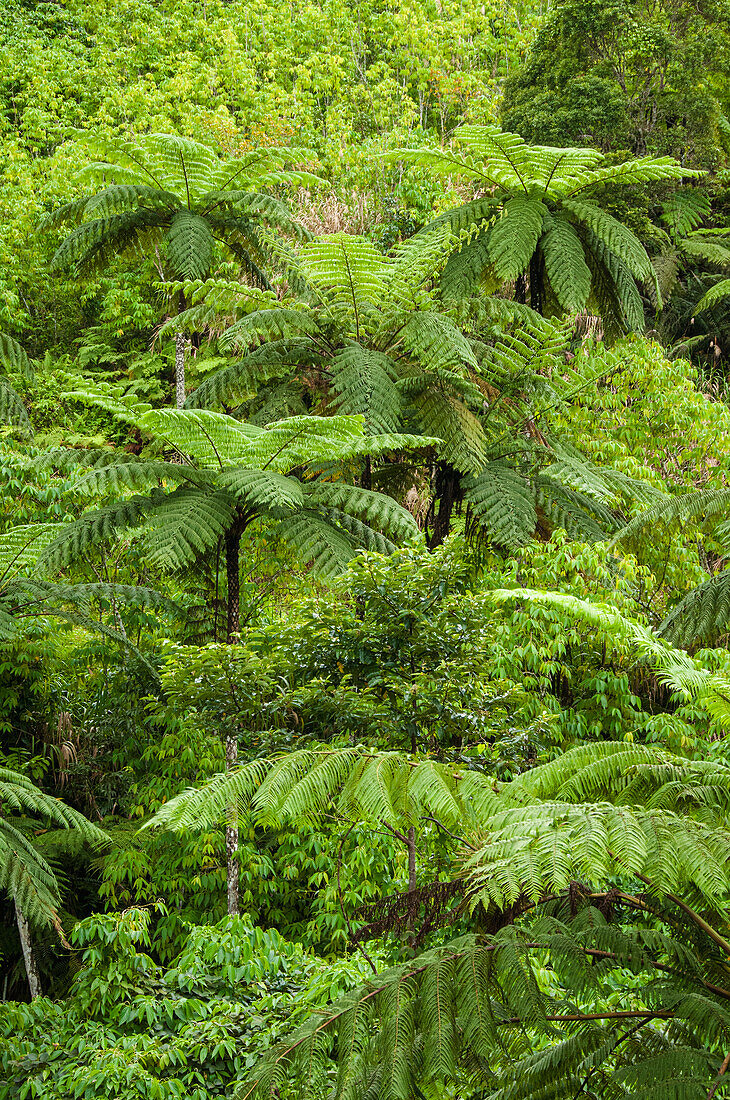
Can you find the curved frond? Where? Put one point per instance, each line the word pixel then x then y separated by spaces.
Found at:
pixel 13 357
pixel 565 264
pixel 613 235
pixel 190 245
pixel 502 502
pixel 185 524
pixel 514 237
pixel 702 615
pixel 718 293
pixel 375 509
pixel 364 381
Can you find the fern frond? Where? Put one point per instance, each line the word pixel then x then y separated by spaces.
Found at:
pixel 579 514
pixel 21 546
pixel 673 667
pixel 703 249
pixel 262 489
pixel 91 241
pixel 437 342
pixel 565 264
pixel 351 270
pixel 718 293
pixel 278 323
pixel 190 245
pixel 91 529
pixel 702 615
pixel 364 381
pixel 12 409
pixel 186 524
pixel 241 380
pixel 375 509
pixel 213 439
pixel 503 504
pixel 417 261
pixel 27 877
pixel 640 170
pixel 694 506
pixel 122 197
pixel 24 873
pixel 118 475
pixel 323 545
pixel 614 236
pixel 514 237
pixel 686 210
pixel 14 359
pixel 442 415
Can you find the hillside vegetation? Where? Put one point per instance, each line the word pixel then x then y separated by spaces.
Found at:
pixel 364 529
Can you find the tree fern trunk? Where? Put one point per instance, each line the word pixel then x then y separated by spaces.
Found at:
pixel 233 622
pixel 180 342
pixel 31 967
pixel 536 301
pixel 180 345
pixel 521 289
pixel 411 875
pixel 446 491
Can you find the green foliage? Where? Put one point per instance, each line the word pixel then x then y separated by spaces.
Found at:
pixel 625 75
pixel 471 772
pixel 190 1029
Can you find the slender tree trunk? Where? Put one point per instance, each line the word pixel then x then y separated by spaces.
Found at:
pixel 232 544
pixel 31 967
pixel 233 622
pixel 180 343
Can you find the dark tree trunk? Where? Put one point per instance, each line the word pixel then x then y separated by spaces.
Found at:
pixel 233 620
pixel 521 289
pixel 412 874
pixel 536 272
pixel 367 474
pixel 447 493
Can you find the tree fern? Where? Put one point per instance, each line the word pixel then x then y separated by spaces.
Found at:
pixel 174 190
pixel 230 474
pixel 15 362
pixel 565 265
pixel 24 874
pixel 718 293
pixel 449 1016
pixel 364 380
pixel 503 503
pixel 513 238
pixel 704 612
pixel 533 225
